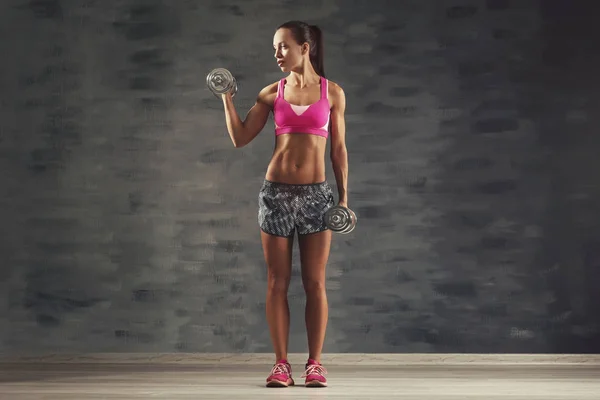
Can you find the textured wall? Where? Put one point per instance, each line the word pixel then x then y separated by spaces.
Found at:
pixel 129 220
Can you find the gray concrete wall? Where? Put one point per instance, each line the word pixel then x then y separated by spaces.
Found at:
pixel 129 220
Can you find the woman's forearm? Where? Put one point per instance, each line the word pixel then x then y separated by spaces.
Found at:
pixel 235 125
pixel 339 162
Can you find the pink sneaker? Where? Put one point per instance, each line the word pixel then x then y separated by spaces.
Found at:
pixel 281 375
pixel 314 374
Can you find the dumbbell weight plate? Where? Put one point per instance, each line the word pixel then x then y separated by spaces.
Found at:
pixel 221 81
pixel 337 218
pixel 340 219
pixel 352 223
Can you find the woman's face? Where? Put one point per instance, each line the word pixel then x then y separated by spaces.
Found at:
pixel 288 53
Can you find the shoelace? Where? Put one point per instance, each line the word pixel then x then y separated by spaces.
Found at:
pixel 314 369
pixel 280 369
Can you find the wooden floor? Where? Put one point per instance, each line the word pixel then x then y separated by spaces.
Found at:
pixel 246 382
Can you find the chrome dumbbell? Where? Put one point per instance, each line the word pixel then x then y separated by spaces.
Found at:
pixel 221 81
pixel 340 219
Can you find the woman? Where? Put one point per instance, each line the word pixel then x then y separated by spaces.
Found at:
pixel 307 109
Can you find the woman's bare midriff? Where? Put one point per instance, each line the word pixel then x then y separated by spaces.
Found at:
pixel 298 158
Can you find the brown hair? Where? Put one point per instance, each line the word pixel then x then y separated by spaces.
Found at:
pixel 303 32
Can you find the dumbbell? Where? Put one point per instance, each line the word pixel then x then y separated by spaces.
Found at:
pixel 340 219
pixel 221 81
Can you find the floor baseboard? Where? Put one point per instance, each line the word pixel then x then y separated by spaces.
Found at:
pixel 300 358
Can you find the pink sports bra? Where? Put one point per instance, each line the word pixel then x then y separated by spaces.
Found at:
pixel 312 119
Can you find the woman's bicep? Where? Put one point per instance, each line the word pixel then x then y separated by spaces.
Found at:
pixel 338 123
pixel 256 118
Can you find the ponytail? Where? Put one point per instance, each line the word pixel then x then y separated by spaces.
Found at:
pixel 316 51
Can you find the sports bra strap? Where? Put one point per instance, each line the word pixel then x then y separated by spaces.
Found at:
pixel 280 89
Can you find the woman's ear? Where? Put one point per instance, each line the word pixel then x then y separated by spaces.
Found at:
pixel 305 48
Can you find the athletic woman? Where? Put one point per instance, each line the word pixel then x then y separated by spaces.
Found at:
pixel 307 110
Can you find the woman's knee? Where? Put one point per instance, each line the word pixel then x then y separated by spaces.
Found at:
pixel 314 287
pixel 278 283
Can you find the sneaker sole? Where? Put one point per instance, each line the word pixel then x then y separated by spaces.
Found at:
pixel 275 383
pixel 315 384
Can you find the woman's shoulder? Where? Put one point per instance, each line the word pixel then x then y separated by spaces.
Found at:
pixel 270 88
pixel 334 87
pixel 268 93
pixel 334 91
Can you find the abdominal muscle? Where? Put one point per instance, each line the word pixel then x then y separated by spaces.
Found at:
pixel 298 158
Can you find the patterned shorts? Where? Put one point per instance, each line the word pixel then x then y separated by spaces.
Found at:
pixel 284 207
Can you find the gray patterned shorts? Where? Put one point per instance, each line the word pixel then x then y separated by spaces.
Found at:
pixel 284 207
